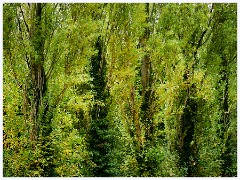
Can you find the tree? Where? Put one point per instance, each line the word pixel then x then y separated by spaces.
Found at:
pixel 225 52
pixel 119 89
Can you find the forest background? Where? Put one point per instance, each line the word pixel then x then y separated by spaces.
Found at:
pixel 120 89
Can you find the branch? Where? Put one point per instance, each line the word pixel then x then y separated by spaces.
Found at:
pixel 24 19
pixel 55 6
pixel 51 36
pixel 50 40
pixel 48 74
pixel 61 95
pixel 43 5
pixel 206 39
pixel 209 23
pixel 21 36
pixel 151 17
pixel 199 43
pixel 14 73
pixel 234 57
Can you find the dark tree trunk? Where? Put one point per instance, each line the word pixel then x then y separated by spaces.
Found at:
pixel 40 114
pixel 146 110
pixel 37 73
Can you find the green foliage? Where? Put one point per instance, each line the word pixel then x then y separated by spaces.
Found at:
pixel 75 101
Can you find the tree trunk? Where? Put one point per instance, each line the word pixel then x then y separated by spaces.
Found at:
pixel 37 85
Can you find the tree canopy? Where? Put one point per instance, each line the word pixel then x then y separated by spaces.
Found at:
pixel 120 89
